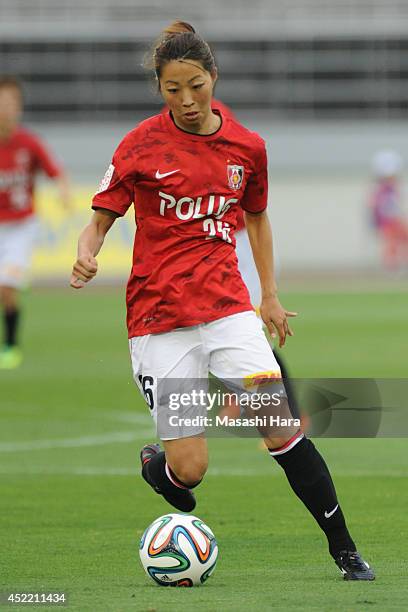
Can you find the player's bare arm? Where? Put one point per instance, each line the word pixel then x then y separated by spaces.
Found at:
pixel 89 244
pixel 273 314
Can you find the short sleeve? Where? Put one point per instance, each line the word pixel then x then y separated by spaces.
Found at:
pixel 44 160
pixel 255 198
pixel 115 191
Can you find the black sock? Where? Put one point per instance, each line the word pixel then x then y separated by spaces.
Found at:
pixel 176 494
pixel 310 479
pixel 11 320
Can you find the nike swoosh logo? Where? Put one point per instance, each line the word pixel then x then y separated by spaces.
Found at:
pixel 160 176
pixel 329 514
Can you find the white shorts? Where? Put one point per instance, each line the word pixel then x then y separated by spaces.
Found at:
pixel 17 239
pixel 234 349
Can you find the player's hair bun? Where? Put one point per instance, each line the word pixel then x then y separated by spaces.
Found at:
pixel 179 41
pixel 177 27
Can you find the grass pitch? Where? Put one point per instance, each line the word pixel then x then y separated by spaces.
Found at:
pixel 73 506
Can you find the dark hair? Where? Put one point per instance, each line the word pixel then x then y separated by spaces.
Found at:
pixel 11 81
pixel 179 41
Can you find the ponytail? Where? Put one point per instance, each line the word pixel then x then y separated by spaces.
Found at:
pixel 179 41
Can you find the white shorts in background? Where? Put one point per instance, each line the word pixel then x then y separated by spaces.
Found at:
pixel 233 348
pixel 246 266
pixel 17 239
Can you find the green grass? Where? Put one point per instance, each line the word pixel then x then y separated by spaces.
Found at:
pixel 72 505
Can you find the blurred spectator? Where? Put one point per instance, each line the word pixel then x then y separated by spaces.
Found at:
pixel 386 209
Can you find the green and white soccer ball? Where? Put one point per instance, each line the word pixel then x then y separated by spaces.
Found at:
pixel 178 550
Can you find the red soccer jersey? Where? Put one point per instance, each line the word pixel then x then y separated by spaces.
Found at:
pixel 225 110
pixel 22 155
pixel 187 190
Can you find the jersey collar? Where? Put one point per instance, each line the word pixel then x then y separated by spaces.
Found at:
pixel 195 137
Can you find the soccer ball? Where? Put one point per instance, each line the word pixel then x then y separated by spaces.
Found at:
pixel 178 550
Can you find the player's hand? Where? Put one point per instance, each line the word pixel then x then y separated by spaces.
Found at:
pixel 83 271
pixel 275 318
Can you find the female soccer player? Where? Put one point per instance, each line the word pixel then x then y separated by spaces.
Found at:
pixel 22 156
pixel 187 172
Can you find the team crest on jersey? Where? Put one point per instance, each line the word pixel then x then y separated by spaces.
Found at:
pixel 235 176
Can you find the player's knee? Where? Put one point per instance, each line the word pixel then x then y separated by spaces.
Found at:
pixel 193 472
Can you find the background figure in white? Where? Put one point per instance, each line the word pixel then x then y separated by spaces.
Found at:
pixel 247 267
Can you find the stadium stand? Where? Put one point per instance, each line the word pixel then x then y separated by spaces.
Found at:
pixel 303 58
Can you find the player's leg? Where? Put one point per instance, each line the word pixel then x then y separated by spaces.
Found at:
pixel 290 391
pixel 303 465
pixel 310 479
pixel 164 364
pixel 10 354
pixel 187 459
pixel 176 470
pixel 16 243
pixel 402 231
pixel 390 249
pixel 11 314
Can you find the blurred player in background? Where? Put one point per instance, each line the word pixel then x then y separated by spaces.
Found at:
pixel 387 212
pixel 22 156
pixel 189 313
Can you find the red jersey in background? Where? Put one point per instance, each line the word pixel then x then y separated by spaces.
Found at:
pixel 22 156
